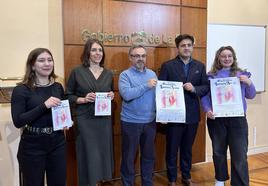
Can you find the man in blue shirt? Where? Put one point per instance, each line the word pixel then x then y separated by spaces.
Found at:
pixel 180 136
pixel 138 128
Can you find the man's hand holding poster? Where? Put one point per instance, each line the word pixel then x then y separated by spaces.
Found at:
pixel 170 105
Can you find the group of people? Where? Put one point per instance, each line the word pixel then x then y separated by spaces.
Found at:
pixel 42 150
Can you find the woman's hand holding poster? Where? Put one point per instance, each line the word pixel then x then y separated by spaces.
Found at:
pixel 226 97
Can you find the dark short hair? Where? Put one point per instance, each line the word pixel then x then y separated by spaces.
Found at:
pixel 86 52
pixel 181 37
pixel 134 47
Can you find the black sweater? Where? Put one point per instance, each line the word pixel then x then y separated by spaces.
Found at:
pixel 28 105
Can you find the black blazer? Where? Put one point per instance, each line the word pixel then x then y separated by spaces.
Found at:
pixel 173 71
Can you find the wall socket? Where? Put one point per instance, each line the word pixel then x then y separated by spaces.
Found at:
pixel 254 136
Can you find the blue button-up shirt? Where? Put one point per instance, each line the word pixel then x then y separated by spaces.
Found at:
pixel 185 66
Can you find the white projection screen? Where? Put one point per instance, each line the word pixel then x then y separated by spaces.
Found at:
pixel 249 43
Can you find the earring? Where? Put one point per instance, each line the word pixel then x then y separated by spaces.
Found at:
pixel 32 73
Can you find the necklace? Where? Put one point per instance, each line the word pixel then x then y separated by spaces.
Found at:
pixel 97 70
pixel 42 85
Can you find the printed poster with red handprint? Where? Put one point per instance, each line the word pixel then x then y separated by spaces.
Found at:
pixel 102 104
pixel 226 97
pixel 170 105
pixel 61 116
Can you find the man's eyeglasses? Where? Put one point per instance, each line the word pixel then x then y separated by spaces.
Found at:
pixel 138 56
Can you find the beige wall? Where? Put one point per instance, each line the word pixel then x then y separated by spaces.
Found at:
pixel 246 12
pixel 25 25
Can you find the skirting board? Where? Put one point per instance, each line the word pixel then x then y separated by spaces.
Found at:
pixel 251 151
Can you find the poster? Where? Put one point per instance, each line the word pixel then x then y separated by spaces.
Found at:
pixel 226 97
pixel 61 116
pixel 170 105
pixel 102 104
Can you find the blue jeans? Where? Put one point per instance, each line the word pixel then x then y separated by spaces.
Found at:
pixel 179 137
pixel 133 136
pixel 232 132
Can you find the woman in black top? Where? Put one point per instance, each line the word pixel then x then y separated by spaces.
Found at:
pixel 41 150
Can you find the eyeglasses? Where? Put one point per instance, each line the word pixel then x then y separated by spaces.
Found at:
pixel 42 60
pixel 226 56
pixel 137 56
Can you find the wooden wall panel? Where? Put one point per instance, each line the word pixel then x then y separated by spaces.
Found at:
pixel 71 58
pixel 72 174
pixel 116 78
pixel 194 3
pixel 160 148
pixel 194 22
pixel 117 102
pixel 199 154
pixel 168 2
pixel 162 55
pixel 79 14
pixel 117 59
pixel 117 155
pixel 157 17
pixel 200 54
pixel 129 17
pixel 150 60
pixel 200 140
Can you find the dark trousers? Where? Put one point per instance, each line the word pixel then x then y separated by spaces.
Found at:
pixel 40 154
pixel 232 132
pixel 179 137
pixel 133 136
